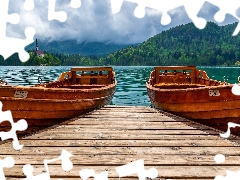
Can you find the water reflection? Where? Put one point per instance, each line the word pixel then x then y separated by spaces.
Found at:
pixel 131 88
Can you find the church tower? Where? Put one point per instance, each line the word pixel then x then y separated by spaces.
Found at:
pixel 37 51
pixel 36 48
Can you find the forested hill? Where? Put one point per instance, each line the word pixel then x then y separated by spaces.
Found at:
pixel 183 45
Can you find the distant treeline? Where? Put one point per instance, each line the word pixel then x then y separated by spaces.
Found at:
pixel 181 45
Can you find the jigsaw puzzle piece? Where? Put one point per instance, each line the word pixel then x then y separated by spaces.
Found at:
pixel 236 31
pixel 75 3
pixel 87 173
pixel 29 5
pixel 226 7
pixel 8 162
pixel 236 88
pixel 219 158
pixel 52 14
pixel 21 125
pixel 66 162
pixel 230 175
pixel 230 125
pixel 66 166
pixel 136 167
pixel 192 8
pixel 28 171
pixel 159 5
pixel 164 7
pixel 116 5
pixel 5 17
pixel 12 45
pixel 139 11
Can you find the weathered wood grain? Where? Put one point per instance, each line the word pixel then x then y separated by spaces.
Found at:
pixel 114 136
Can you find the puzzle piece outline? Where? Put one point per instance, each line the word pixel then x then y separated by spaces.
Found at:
pixel 67 165
pixel 87 173
pixel 15 45
pixel 7 162
pixel 137 167
pixel 20 125
pixel 192 9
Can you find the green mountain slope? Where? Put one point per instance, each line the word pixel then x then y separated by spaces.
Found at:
pixel 183 45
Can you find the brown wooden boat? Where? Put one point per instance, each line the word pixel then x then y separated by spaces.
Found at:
pixel 75 92
pixel 188 92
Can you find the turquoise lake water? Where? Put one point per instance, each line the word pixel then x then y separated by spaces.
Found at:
pixel 131 89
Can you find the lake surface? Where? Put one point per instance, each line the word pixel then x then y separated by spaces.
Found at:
pixel 131 89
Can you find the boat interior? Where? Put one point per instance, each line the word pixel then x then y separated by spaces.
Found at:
pixel 83 78
pixel 180 77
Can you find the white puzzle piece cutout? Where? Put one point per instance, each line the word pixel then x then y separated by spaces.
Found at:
pixel 52 14
pixel 29 5
pixel 192 9
pixel 60 15
pixel 137 167
pixel 13 45
pixel 66 166
pixel 230 125
pixel 20 125
pixel 87 173
pixel 75 4
pixel 8 162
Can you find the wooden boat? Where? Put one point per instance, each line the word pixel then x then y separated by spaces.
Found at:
pixel 71 95
pixel 188 92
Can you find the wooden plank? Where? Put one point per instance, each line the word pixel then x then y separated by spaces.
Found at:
pixel 116 160
pixel 96 131
pixel 135 117
pixel 122 143
pixel 114 136
pixel 156 151
pixel 98 124
pixel 183 172
pixel 113 178
pixel 49 135
pixel 148 123
pixel 92 178
pixel 98 121
pixel 125 125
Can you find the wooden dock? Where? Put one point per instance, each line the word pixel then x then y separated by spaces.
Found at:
pixel 114 136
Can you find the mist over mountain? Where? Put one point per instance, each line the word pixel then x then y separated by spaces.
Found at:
pixel 73 47
pixel 95 22
pixel 180 45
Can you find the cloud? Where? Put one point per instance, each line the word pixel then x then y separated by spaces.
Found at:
pixel 94 21
pixel 209 10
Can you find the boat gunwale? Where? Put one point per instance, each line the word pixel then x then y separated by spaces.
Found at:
pixel 206 87
pixel 60 89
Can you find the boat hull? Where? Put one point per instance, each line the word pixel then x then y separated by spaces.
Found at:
pixel 200 104
pixel 51 108
pixel 43 103
pixel 51 103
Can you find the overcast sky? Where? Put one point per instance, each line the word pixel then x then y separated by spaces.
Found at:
pixel 94 21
